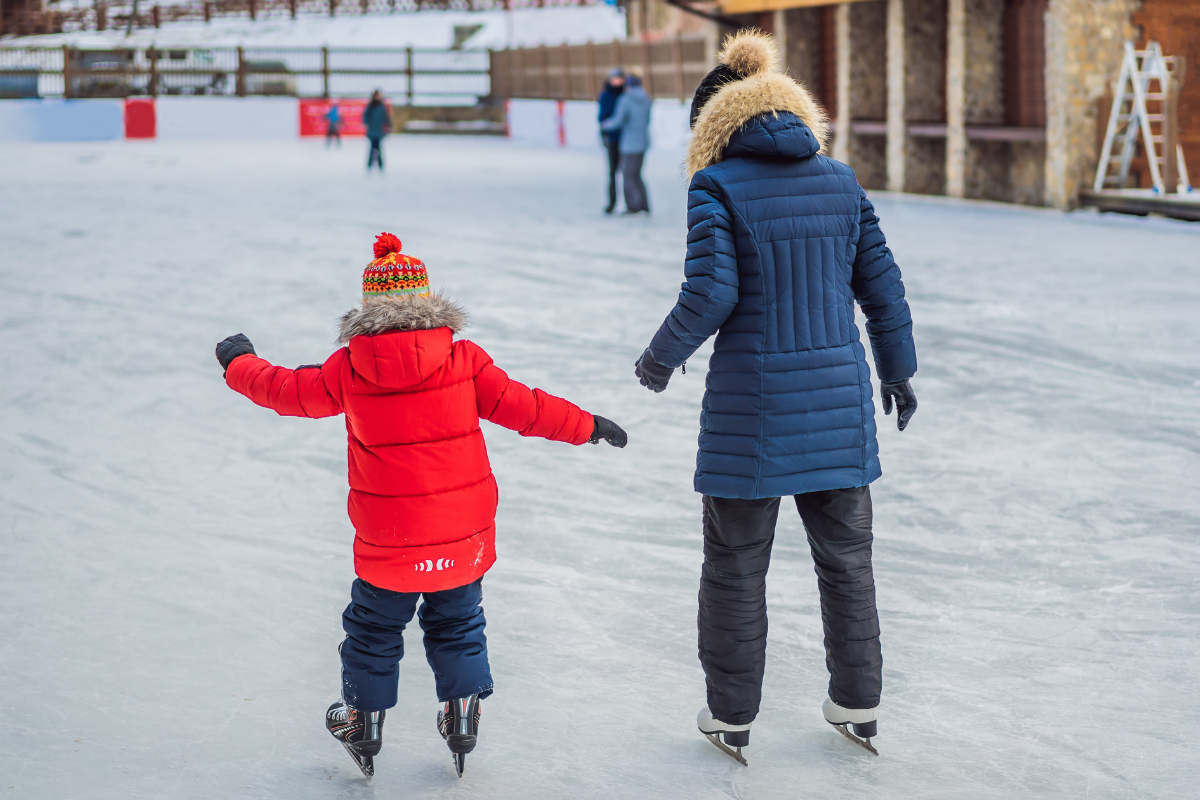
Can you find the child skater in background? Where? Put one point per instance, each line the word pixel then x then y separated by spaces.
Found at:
pixel 422 495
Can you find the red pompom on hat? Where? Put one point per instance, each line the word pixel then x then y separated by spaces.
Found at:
pixel 393 274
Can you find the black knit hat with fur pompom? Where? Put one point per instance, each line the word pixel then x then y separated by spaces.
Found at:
pixel 746 53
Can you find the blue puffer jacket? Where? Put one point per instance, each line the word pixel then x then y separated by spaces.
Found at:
pixel 781 243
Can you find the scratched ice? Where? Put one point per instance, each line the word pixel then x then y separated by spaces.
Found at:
pixel 174 560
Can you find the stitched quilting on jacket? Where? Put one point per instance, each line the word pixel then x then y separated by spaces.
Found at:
pixel 422 494
pixel 782 242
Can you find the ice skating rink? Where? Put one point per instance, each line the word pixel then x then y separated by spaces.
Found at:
pixel 174 560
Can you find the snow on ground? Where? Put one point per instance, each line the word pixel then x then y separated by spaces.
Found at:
pixel 174 560
pixel 434 29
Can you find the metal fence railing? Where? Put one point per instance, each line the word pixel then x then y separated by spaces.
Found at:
pixel 410 76
pixel 98 15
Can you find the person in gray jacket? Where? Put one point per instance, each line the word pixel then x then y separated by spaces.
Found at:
pixel 632 119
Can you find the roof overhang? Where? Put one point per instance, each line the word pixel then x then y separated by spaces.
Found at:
pixel 758 6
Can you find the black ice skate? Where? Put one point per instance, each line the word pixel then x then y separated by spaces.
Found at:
pixel 863 721
pixel 734 735
pixel 458 723
pixel 360 732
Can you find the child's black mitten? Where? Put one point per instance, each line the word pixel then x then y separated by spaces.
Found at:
pixel 609 431
pixel 906 401
pixel 233 346
pixel 653 375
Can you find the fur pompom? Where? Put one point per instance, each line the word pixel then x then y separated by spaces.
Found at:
pixel 749 52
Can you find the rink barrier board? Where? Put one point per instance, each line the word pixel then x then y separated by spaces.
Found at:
pixel 549 123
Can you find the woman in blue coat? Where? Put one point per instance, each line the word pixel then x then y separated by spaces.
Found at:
pixel 782 242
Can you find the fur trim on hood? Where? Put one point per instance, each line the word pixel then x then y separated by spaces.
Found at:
pixel 387 314
pixel 765 90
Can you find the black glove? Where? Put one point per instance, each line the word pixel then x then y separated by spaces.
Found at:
pixel 233 346
pixel 654 375
pixel 609 431
pixel 906 401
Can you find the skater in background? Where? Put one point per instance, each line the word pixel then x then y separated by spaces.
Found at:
pixel 631 118
pixel 782 242
pixel 377 119
pixel 607 103
pixel 333 125
pixel 422 495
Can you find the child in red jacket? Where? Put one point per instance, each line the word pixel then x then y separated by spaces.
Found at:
pixel 422 495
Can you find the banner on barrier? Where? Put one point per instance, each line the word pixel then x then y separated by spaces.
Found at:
pixel 314 117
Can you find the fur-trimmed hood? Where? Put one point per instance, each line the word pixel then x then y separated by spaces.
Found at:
pixel 764 90
pixel 387 314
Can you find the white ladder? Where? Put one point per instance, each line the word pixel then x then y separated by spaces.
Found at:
pixel 1131 119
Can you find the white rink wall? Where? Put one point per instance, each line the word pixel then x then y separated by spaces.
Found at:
pixel 574 123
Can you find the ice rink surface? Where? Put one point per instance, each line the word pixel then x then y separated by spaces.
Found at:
pixel 174 560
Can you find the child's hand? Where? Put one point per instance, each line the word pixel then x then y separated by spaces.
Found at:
pixel 233 346
pixel 609 431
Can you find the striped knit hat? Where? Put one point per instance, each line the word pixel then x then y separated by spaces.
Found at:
pixel 392 274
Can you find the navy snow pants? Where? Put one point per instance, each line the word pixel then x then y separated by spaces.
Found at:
pixel 454 643
pixel 732 622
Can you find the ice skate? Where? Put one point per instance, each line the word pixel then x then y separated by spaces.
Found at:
pixel 863 721
pixel 458 723
pixel 735 736
pixel 360 732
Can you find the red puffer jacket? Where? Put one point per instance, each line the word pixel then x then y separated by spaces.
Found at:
pixel 422 495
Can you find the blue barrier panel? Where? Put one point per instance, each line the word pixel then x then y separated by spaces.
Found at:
pixel 77 120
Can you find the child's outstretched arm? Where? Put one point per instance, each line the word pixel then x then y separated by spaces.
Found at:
pixel 532 412
pixel 311 391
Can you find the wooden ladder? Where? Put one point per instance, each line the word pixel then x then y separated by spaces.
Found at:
pixel 1131 119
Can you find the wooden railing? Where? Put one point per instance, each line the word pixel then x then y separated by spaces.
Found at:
pixel 405 75
pixel 103 16
pixel 671 67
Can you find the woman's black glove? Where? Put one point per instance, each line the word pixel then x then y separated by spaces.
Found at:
pixel 654 376
pixel 233 346
pixel 609 431
pixel 906 401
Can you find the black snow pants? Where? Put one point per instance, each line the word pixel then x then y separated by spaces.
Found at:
pixel 733 609
pixel 613 148
pixel 631 179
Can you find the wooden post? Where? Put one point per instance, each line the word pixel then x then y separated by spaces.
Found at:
pixel 152 88
pixel 156 15
pixel 566 59
pixel 677 59
pixel 253 9
pixel 292 7
pixel 66 72
pixel 324 67
pixel 897 123
pixel 332 7
pixel 841 142
pixel 408 74
pixel 101 16
pixel 362 4
pixel 207 11
pixel 956 98
pixel 593 84
pixel 241 72
pixel 1170 143
pixel 545 71
pixel 647 68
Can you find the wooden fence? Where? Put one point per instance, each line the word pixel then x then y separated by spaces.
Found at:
pixel 406 75
pixel 121 15
pixel 671 67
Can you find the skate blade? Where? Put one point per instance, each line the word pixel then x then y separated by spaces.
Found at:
pixel 365 763
pixel 460 763
pixel 864 743
pixel 736 755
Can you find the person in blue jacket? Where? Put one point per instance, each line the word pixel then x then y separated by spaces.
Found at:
pixel 631 118
pixel 378 122
pixel 607 103
pixel 333 125
pixel 782 242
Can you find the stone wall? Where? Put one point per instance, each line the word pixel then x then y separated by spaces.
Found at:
pixel 925 93
pixel 868 89
pixel 1084 40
